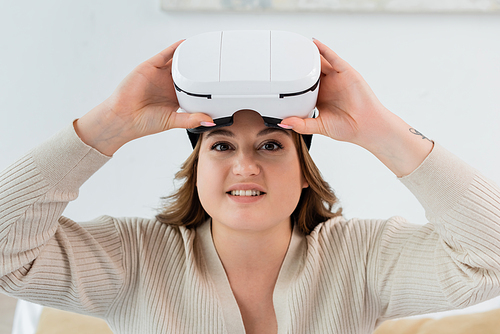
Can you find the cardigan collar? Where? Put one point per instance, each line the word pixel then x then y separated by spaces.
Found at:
pixel 291 266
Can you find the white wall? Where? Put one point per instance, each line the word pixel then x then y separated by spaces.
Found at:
pixel 441 73
pixel 58 59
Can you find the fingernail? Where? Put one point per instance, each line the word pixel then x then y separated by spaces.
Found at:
pixel 284 126
pixel 207 124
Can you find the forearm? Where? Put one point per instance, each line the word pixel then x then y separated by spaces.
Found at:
pixel 396 144
pixel 101 129
pixel 35 191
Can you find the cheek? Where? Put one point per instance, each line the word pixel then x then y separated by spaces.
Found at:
pixel 209 177
pixel 289 182
pixel 202 179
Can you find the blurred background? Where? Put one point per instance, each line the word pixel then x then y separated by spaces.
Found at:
pixel 440 72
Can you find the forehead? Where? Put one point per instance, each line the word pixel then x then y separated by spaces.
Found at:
pixel 233 133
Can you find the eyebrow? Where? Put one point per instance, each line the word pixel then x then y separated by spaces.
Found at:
pixel 267 131
pixel 220 132
pixel 227 133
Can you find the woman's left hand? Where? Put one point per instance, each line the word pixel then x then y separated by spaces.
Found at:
pixel 347 105
pixel 349 111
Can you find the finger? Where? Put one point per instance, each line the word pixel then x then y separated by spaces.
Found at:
pixel 326 68
pixel 302 125
pixel 337 63
pixel 189 121
pixel 161 59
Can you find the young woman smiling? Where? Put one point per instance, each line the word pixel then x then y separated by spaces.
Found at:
pixel 249 242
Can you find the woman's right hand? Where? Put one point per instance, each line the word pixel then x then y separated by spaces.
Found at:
pixel 144 103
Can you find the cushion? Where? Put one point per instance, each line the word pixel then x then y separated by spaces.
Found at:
pixel 54 321
pixel 474 323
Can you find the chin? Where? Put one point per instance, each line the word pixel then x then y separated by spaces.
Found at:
pixel 255 223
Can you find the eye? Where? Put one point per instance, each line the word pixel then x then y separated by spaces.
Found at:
pixel 271 146
pixel 221 146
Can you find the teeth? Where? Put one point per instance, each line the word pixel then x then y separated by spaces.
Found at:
pixel 245 192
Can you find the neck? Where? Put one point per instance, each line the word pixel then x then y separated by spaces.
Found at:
pixel 244 252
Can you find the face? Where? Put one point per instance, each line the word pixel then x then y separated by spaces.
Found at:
pixel 249 175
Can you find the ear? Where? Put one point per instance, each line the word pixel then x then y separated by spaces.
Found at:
pixel 305 184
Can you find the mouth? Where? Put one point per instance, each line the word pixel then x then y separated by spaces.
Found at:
pixel 247 193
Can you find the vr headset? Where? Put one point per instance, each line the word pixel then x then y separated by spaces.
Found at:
pixel 275 73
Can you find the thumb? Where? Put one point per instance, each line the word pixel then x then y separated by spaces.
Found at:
pixel 302 125
pixel 190 121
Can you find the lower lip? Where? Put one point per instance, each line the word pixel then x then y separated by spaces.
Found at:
pixel 246 199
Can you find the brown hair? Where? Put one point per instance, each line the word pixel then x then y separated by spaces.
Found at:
pixel 183 207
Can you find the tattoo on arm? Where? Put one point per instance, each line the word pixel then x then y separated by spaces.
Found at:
pixel 418 133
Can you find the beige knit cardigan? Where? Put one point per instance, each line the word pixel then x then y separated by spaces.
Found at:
pixel 143 276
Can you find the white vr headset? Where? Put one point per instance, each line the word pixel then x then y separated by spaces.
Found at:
pixel 274 73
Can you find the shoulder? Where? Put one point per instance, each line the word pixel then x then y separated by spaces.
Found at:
pixel 361 236
pixel 138 233
pixel 367 228
pixel 339 228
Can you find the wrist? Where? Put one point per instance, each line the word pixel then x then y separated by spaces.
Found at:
pixel 398 145
pixel 101 129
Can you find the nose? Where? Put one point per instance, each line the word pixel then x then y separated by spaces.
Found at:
pixel 246 165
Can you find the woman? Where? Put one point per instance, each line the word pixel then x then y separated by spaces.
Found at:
pixel 256 265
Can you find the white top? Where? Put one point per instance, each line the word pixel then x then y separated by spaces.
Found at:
pixel 143 276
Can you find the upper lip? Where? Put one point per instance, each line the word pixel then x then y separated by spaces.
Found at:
pixel 246 186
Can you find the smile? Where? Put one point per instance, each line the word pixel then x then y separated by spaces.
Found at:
pixel 246 192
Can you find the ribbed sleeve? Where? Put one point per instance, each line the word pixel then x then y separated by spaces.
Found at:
pixel 357 273
pixel 143 276
pixel 452 262
pixel 45 257
pixel 20 187
pixel 140 275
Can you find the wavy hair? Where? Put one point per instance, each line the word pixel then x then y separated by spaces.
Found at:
pixel 183 207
